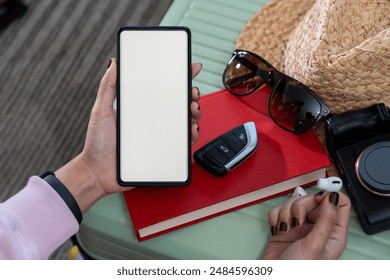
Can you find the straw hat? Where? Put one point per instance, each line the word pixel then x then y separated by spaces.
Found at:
pixel 339 48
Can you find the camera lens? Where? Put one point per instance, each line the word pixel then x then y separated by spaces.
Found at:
pixel 372 168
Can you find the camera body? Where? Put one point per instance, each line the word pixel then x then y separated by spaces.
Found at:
pixel 359 144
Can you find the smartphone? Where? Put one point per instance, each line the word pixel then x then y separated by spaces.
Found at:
pixel 153 106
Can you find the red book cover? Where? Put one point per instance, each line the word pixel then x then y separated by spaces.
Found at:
pixel 281 162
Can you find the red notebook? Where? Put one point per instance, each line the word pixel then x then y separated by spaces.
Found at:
pixel 281 162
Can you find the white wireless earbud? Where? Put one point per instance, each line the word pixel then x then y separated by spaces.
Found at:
pixel 330 184
pixel 299 191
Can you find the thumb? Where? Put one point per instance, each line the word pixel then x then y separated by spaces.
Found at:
pixel 325 224
pixel 107 89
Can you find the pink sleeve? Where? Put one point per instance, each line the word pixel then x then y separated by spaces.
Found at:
pixel 34 222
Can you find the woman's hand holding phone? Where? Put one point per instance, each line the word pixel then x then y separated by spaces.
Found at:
pixel 92 174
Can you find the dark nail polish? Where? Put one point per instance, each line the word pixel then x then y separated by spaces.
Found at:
pixel 295 222
pixel 273 230
pixel 198 91
pixel 197 128
pixel 283 227
pixel 198 107
pixel 319 193
pixel 109 64
pixel 334 198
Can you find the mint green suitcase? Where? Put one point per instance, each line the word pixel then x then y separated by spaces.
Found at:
pixel 107 233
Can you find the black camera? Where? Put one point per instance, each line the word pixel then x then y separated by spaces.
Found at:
pixel 359 144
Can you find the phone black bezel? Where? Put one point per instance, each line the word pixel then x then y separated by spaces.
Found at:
pixel 189 87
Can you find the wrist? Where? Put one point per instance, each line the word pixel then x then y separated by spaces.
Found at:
pixel 64 193
pixel 81 182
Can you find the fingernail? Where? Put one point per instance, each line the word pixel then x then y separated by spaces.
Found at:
pixel 197 128
pixel 334 198
pixel 319 193
pixel 198 91
pixel 295 222
pixel 198 107
pixel 283 227
pixel 273 230
pixel 109 64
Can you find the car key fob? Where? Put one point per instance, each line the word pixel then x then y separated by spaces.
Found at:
pixel 226 152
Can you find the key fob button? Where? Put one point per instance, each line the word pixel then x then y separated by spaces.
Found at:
pixel 231 139
pixel 213 153
pixel 240 133
pixel 224 148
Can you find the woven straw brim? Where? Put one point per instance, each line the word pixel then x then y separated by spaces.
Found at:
pixel 268 31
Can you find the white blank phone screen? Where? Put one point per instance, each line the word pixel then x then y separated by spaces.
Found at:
pixel 154 106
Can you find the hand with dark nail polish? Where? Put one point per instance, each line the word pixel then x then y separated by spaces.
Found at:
pixel 195 107
pixel 60 198
pixel 307 227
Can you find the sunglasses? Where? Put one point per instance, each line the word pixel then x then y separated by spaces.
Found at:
pixel 292 105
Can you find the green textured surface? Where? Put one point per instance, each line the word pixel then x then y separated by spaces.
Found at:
pixel 107 232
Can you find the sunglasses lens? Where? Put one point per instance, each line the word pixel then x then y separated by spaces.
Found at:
pixel 293 107
pixel 245 73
